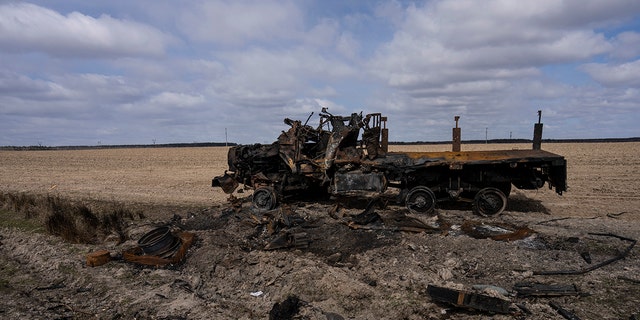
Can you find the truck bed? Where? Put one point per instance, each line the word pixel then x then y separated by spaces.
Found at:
pixel 510 163
pixel 478 157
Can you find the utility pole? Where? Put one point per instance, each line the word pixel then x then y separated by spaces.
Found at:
pixel 226 141
pixel 486 135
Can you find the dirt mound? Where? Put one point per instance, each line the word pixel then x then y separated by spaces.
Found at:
pixel 338 270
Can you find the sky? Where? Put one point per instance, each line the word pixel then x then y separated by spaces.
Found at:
pixel 80 72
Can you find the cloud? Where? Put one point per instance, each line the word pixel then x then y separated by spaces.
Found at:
pixel 615 75
pixel 182 72
pixel 26 27
pixel 272 78
pixel 237 22
pixel 448 41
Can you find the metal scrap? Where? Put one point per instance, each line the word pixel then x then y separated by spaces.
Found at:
pixel 470 300
pixel 160 247
pixel 498 231
pixel 330 159
pixel 622 255
pixel 297 240
pixel 563 312
pixel 526 289
pixel 159 242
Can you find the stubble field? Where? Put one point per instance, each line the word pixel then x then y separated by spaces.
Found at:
pixel 353 274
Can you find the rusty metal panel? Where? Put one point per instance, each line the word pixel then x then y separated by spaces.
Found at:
pixel 537 136
pixel 492 156
pixel 355 181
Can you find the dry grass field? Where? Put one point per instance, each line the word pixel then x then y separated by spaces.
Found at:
pixel 343 274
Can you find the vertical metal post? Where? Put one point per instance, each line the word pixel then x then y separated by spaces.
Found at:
pixel 384 143
pixel 537 133
pixel 456 136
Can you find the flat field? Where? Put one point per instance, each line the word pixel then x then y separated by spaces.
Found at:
pixel 344 272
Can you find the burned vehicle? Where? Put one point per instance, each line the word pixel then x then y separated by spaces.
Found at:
pixel 348 156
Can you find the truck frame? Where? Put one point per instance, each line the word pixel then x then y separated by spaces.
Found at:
pixel 335 159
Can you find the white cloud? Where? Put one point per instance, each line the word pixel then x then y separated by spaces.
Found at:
pixel 259 77
pixel 460 41
pixel 244 65
pixel 236 22
pixel 27 27
pixel 615 75
pixel 177 100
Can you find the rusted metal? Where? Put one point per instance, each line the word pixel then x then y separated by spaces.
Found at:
pixel 299 240
pixel 348 155
pixel 563 312
pixel 136 255
pixel 526 289
pixel 457 136
pixel 384 138
pixel 537 133
pixel 470 300
pixel 98 258
pixel 495 231
pixel 226 182
pixel 158 241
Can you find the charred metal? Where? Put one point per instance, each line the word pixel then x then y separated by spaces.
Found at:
pixel 348 155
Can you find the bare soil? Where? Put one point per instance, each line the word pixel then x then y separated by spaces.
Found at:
pixel 375 272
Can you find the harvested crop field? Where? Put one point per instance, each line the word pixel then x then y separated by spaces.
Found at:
pixel 341 273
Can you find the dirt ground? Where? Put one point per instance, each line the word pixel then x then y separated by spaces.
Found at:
pixel 373 271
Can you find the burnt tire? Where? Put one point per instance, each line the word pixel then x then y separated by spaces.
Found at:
pixel 264 198
pixel 489 202
pixel 421 200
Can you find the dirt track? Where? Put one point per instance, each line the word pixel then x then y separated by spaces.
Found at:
pixel 359 274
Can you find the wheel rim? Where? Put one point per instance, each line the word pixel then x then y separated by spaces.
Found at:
pixel 421 200
pixel 264 198
pixel 489 202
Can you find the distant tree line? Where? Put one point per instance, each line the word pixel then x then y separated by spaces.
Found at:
pixel 634 139
pixel 123 146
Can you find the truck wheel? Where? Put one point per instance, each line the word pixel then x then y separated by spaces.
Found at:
pixel 264 198
pixel 421 200
pixel 489 202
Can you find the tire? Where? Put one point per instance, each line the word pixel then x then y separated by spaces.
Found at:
pixel 264 198
pixel 421 200
pixel 489 202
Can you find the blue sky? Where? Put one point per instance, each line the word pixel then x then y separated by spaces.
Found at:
pixel 136 72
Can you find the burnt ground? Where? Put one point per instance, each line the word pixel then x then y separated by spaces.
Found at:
pixel 330 262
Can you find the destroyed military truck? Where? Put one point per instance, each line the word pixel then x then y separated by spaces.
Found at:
pixel 348 156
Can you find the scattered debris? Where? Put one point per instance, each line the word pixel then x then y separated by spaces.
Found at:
pixel 159 242
pixel 98 258
pixel 566 218
pixel 563 312
pixel 256 293
pixel 586 256
pixel 636 281
pixel 497 231
pixel 56 285
pixel 289 240
pixel 595 266
pixel 524 308
pixel 470 300
pixel 615 215
pixel 160 247
pixel 525 289
pixel 487 287
pixel 286 309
